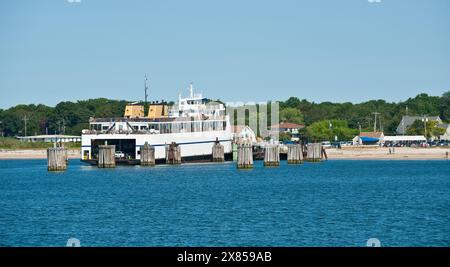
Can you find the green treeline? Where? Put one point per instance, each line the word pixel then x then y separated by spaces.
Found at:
pixel 65 118
pixel 345 118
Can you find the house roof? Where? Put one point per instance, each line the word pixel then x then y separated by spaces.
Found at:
pixel 288 125
pixel 237 128
pixel 409 120
pixel 371 134
pixel 401 138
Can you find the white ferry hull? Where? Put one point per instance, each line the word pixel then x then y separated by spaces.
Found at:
pixel 193 144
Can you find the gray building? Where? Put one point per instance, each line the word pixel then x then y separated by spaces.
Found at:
pixel 446 135
pixel 407 121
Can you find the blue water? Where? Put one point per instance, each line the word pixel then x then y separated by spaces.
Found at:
pixel 334 203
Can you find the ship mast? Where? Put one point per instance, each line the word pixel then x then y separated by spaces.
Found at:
pixel 191 90
pixel 145 93
pixel 145 89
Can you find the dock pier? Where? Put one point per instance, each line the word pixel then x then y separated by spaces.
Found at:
pixel 218 154
pixel 147 155
pixel 56 159
pixel 295 154
pixel 245 157
pixel 173 154
pixel 314 152
pixel 106 156
pixel 271 156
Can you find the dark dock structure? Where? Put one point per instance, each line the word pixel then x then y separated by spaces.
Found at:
pixel 57 159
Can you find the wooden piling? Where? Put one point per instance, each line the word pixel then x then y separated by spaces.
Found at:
pixel 314 152
pixel 271 155
pixel 218 154
pixel 147 155
pixel 324 153
pixel 106 156
pixel 173 153
pixel 295 154
pixel 56 159
pixel 245 157
pixel 234 151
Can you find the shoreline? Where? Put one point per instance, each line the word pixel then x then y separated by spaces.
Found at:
pixel 8 154
pixel 347 153
pixel 382 153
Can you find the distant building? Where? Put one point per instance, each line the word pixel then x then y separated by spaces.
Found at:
pixel 50 138
pixel 243 134
pixel 446 135
pixel 368 138
pixel 407 121
pixel 404 139
pixel 291 128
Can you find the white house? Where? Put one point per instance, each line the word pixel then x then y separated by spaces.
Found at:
pixel 50 138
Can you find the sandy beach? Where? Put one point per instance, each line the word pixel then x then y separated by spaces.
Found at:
pixel 33 154
pixel 400 153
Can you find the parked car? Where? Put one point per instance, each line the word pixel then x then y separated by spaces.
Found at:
pixel 424 144
pixel 346 143
pixel 119 155
pixel 442 143
pixel 326 144
pixel 432 143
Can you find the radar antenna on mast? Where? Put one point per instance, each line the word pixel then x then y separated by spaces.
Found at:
pixel 145 90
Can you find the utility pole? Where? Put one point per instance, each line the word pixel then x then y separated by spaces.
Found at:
pixel 59 127
pixel 369 120
pixel 25 119
pixel 425 120
pixel 381 124
pixel 375 121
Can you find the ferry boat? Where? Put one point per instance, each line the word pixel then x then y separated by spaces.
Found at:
pixel 194 123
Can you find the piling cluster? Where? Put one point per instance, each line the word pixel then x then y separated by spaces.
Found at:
pixel 295 154
pixel 218 154
pixel 314 152
pixel 106 156
pixel 57 159
pixel 147 155
pixel 245 157
pixel 173 154
pixel 271 155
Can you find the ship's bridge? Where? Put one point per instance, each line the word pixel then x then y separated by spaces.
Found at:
pixel 197 107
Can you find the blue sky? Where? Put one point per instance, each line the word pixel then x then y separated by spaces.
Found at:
pixel 321 50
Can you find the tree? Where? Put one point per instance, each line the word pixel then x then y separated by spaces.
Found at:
pixel 444 106
pixel 284 137
pixel 291 115
pixel 326 130
pixel 292 102
pixel 432 127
